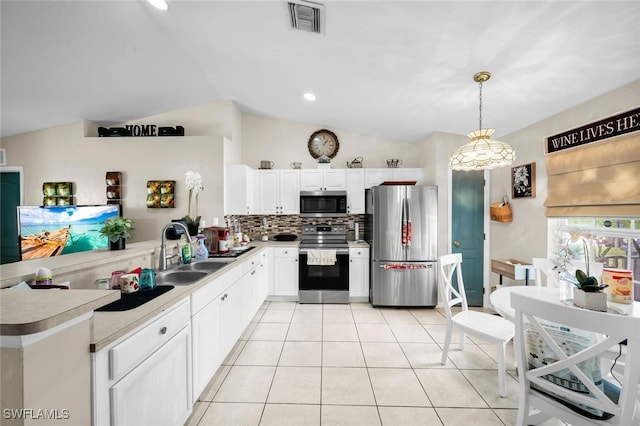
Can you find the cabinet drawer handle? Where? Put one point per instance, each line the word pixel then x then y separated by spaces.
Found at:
pixel 163 330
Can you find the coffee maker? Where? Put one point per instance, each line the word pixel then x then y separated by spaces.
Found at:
pixel 213 235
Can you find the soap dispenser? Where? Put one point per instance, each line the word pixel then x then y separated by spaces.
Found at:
pixel 186 251
pixel 201 249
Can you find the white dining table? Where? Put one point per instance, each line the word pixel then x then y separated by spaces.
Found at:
pixel 501 301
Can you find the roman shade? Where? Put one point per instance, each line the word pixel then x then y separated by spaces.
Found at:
pixel 599 179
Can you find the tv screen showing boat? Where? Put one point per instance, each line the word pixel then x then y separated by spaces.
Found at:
pixel 57 230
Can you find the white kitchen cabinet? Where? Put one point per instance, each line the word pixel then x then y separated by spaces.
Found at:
pixel 374 177
pixel 145 377
pixel 355 191
pixel 359 273
pixel 158 391
pixel 285 271
pixel 258 282
pixel 221 310
pixel 409 174
pixel 279 191
pixel 323 180
pixel 208 353
pixel 240 190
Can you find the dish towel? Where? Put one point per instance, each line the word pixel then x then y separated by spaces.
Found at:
pixel 321 257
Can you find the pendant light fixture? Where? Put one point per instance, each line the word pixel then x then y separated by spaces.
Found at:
pixel 482 153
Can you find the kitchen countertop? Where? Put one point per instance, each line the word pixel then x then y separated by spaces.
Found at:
pixel 110 326
pixel 30 311
pixel 13 273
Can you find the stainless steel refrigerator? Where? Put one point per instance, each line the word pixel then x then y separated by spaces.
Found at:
pixel 401 228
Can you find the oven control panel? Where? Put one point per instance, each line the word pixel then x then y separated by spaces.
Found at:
pixel 323 229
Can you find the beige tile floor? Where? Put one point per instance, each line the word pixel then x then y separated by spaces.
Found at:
pixel 355 365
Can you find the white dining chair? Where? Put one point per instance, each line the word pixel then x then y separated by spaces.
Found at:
pixel 545 267
pixel 488 327
pixel 551 338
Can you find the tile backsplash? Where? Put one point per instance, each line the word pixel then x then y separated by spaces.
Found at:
pixel 278 224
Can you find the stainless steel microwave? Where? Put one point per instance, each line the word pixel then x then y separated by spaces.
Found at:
pixel 323 203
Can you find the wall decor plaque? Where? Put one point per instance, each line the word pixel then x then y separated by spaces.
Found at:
pixel 523 181
pixel 160 194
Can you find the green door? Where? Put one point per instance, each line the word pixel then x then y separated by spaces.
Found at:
pixel 9 200
pixel 467 230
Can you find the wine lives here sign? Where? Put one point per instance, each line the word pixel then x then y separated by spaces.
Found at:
pixel 617 125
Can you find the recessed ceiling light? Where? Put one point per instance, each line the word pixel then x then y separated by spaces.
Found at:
pixel 310 96
pixel 159 4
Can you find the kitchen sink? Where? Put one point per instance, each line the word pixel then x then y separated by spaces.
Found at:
pixel 178 277
pixel 203 266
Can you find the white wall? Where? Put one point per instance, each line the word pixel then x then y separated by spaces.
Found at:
pixel 435 151
pixel 526 236
pixel 281 141
pixel 65 154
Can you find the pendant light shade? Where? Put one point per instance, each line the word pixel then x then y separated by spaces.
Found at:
pixel 482 153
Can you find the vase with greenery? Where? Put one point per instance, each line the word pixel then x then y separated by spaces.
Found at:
pixel 195 187
pixel 117 230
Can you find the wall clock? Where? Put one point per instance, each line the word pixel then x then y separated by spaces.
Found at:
pixel 323 142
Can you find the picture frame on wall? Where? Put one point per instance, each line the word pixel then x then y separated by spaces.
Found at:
pixel 523 181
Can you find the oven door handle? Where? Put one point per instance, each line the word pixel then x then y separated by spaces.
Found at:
pixel 338 251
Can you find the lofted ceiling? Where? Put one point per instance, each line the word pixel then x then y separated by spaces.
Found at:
pixel 391 69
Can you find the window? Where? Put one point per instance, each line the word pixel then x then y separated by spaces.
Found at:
pixel 614 242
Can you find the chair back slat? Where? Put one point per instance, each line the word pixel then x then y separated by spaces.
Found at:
pixel 577 338
pixel 450 265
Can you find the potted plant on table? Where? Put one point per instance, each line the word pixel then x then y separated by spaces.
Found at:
pixel 117 230
pixel 195 187
pixel 588 293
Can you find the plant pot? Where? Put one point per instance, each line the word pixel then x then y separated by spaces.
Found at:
pixel 117 245
pixel 595 301
pixel 193 228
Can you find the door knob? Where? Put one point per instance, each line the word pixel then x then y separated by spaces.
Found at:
pixel 456 243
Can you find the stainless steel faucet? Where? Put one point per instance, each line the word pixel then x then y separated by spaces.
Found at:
pixel 162 261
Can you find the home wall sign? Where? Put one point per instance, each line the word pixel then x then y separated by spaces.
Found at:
pixel 140 130
pixel 617 125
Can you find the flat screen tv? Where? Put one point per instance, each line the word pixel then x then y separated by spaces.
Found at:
pixel 52 231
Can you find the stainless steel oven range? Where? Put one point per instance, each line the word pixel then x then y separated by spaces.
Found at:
pixel 323 264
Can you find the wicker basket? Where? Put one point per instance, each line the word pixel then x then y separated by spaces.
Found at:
pixel 501 212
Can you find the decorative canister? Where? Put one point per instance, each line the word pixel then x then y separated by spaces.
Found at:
pixel 620 283
pixel 129 283
pixel 115 278
pixel 147 279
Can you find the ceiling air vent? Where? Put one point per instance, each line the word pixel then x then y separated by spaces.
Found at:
pixel 306 16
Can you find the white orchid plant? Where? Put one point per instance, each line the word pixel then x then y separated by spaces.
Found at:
pixel 195 187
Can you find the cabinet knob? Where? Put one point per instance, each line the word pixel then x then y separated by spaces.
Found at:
pixel 253 272
pixel 163 330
